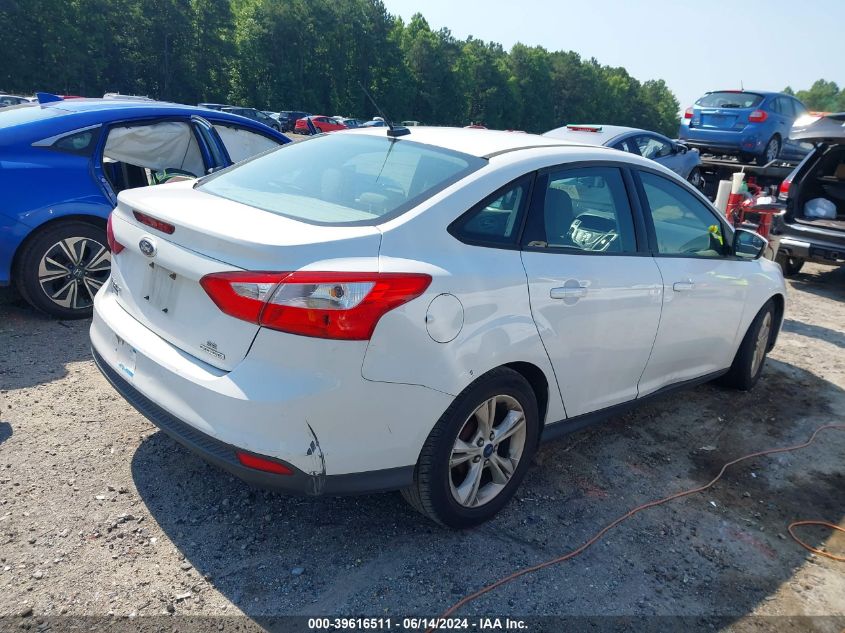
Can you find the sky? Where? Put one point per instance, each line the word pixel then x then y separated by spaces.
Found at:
pixel 695 46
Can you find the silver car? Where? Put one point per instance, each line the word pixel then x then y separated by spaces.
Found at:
pixel 684 161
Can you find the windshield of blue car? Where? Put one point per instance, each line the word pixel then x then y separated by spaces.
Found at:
pixel 730 100
pixel 342 178
pixel 26 113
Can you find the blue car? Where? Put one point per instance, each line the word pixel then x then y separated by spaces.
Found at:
pixel 751 124
pixel 62 165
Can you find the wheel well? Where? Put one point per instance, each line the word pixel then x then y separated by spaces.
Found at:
pixel 90 219
pixel 537 379
pixel 779 304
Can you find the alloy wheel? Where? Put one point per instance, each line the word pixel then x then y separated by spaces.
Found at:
pixel 761 343
pixel 487 451
pixel 73 270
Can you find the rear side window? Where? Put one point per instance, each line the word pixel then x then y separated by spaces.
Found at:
pixel 730 100
pixel 583 209
pixel 343 179
pixel 496 220
pixel 78 143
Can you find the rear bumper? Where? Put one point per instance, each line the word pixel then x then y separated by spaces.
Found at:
pixel 295 400
pixel 723 141
pixel 223 455
pixel 825 246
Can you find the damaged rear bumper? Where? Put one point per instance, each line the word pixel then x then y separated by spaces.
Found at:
pixel 223 455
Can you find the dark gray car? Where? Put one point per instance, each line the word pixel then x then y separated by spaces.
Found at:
pixel 676 156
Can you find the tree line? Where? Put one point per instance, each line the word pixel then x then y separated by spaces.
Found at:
pixel 822 96
pixel 313 55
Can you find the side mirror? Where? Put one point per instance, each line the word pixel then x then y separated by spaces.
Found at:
pixel 679 148
pixel 748 244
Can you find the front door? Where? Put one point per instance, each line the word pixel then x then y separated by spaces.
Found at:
pixel 704 286
pixel 595 299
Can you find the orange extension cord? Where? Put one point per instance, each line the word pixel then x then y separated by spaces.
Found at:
pixel 651 504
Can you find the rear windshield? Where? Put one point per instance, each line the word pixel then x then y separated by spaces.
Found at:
pixel 342 178
pixel 730 100
pixel 26 113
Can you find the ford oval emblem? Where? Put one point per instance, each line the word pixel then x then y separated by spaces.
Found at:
pixel 147 247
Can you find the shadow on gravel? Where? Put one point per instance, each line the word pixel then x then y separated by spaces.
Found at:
pixel 35 348
pixel 815 331
pixel 828 282
pixel 721 553
pixel 5 431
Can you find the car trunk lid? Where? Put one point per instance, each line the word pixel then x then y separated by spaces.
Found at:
pixel 158 274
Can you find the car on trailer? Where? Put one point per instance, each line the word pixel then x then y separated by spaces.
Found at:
pixel 751 124
pixel 813 227
pixel 676 156
pixel 66 161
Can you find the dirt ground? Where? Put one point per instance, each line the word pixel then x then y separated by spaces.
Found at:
pixel 101 514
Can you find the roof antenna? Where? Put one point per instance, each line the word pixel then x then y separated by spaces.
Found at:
pixel 741 87
pixel 392 130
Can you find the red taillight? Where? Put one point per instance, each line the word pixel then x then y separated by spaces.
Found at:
pixel 320 304
pixel 150 221
pixel 259 463
pixel 758 116
pixel 688 113
pixel 783 192
pixel 114 246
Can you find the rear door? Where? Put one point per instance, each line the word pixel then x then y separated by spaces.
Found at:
pixel 595 296
pixel 704 288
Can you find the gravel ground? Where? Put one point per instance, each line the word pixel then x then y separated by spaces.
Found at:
pixel 101 514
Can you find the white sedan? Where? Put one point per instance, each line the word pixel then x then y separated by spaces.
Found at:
pixel 364 312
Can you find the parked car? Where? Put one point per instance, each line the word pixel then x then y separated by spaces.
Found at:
pixel 64 164
pixel 255 115
pixel 321 123
pixel 676 156
pixel 375 122
pixel 813 228
pixel 433 321
pixel 214 106
pixel 12 100
pixel 347 121
pixel 288 119
pixel 752 124
pixel 411 123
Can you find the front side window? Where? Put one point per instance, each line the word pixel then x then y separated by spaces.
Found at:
pixel 496 220
pixel 583 209
pixel 683 224
pixel 343 178
pixel 652 147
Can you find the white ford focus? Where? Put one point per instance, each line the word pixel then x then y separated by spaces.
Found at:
pixel 363 312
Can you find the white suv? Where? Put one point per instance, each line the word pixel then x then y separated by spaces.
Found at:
pixel 378 310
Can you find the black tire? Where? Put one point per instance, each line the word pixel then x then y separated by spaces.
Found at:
pixel 790 265
pixel 696 179
pixel 746 158
pixel 744 372
pixel 770 152
pixel 432 491
pixel 74 290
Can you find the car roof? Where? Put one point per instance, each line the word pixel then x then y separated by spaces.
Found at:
pixel 762 93
pixel 77 113
pixel 605 135
pixel 475 142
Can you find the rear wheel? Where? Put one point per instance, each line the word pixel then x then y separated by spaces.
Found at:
pixel 771 152
pixel 751 355
pixel 478 452
pixel 790 265
pixel 61 269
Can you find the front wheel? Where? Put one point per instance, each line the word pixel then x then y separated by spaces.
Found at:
pixel 478 452
pixel 696 179
pixel 62 267
pixel 751 355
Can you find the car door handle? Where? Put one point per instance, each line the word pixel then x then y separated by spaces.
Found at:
pixel 680 286
pixel 566 292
